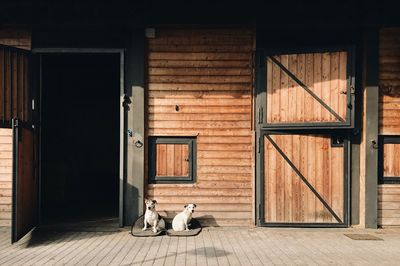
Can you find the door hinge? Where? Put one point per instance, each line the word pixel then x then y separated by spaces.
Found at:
pixel 352 90
pixel 260 115
pixel 126 102
pixel 33 104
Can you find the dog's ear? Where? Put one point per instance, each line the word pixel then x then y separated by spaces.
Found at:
pixel 194 205
pixel 185 206
pixel 154 201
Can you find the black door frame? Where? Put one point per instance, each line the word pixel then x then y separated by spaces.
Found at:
pixel 122 117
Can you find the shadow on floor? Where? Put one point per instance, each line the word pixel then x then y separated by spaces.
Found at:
pixel 72 231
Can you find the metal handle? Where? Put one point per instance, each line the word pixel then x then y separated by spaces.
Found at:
pixel 138 144
pixel 374 144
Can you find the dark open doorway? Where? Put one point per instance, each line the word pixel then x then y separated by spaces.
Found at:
pixel 80 136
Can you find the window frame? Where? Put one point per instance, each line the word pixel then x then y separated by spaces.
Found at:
pixel 386 139
pixel 152 156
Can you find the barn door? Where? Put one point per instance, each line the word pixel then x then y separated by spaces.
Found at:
pixel 25 180
pixel 305 109
pixel 304 179
pixel 307 90
pixel 16 111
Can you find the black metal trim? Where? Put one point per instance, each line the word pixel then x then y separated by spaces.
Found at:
pixel 190 141
pixel 4 84
pixel 346 183
pixel 386 139
pixel 15 129
pixel 11 84
pixel 305 87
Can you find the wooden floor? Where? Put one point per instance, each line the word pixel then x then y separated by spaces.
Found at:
pixel 214 246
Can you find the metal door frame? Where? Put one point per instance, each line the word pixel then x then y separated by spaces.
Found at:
pixel 122 115
pixel 346 184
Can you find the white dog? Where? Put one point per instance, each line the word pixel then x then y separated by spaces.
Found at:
pixel 151 217
pixel 182 219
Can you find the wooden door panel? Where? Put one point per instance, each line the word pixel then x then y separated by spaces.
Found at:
pixel 172 160
pixel 14 84
pixel 303 179
pixel 307 88
pixel 25 182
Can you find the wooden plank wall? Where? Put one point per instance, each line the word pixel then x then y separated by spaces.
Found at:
pixel 325 74
pixel 14 85
pixel 17 36
pixel 205 74
pixel 172 160
pixel 389 122
pixel 389 81
pixel 287 198
pixel 391 160
pixel 5 176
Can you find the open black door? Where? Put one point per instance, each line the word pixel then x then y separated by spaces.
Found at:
pixel 16 111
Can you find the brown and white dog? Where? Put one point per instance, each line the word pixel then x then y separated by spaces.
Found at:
pixel 151 216
pixel 181 220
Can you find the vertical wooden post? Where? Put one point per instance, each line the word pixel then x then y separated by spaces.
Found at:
pixel 135 91
pixel 371 126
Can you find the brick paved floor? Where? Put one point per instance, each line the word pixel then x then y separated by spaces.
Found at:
pixel 214 246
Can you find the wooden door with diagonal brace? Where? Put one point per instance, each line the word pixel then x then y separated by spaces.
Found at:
pixel 308 89
pixel 304 179
pixel 306 105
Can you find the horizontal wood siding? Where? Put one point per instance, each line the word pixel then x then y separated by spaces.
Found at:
pixel 287 197
pixel 16 36
pixel 389 81
pixel 5 176
pixel 389 124
pixel 325 74
pixel 389 205
pixel 200 84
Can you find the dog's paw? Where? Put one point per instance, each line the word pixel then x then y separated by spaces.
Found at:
pixel 187 229
pixel 154 230
pixel 144 229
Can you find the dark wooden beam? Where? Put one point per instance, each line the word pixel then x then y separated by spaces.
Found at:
pixel 371 86
pixel 135 91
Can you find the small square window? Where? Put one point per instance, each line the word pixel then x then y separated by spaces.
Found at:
pixel 389 162
pixel 172 160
